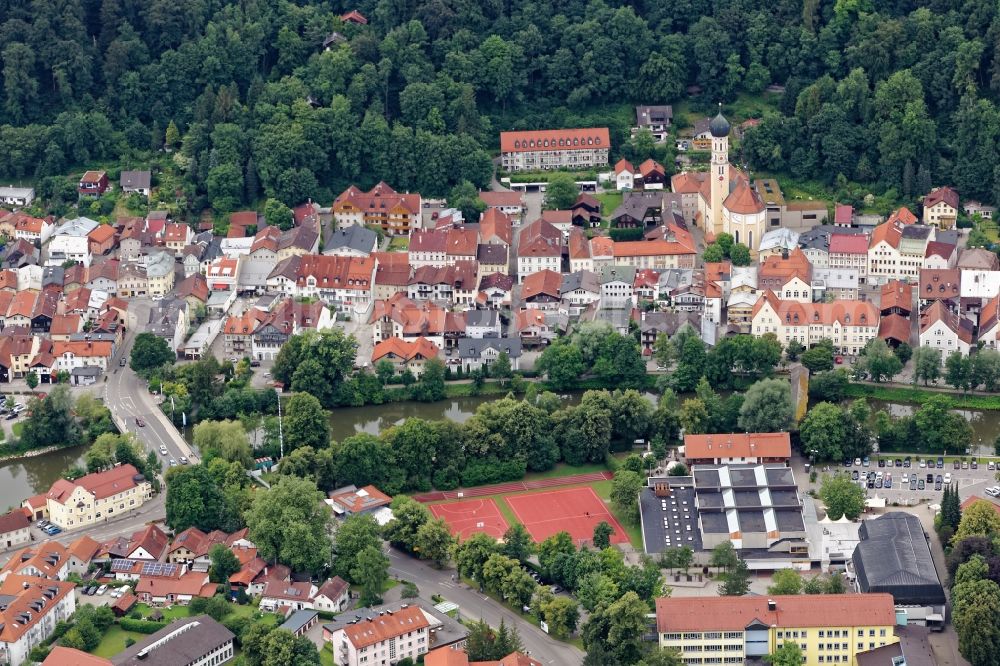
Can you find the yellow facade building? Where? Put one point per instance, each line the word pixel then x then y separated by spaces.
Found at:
pixel 97 497
pixel 830 628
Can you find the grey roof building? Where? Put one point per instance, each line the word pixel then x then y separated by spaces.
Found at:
pixel 894 557
pixel 135 181
pixel 195 640
pixel 586 280
pixel 474 348
pixel 353 239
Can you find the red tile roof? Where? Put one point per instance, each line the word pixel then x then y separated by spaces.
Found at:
pixel 902 215
pixel 102 233
pixel 972 499
pixel 64 656
pixel 13 521
pixel 890 232
pixel 503 199
pixel 945 194
pixel 843 214
pixel 551 140
pixel 406 350
pixel 938 311
pixel 542 282
pixel 682 243
pixel 381 197
pixel 649 166
pixel 894 327
pixel 192 583
pixel 66 324
pixel 847 313
pixel 383 627
pixel 687 182
pixel 493 223
pixel 939 283
pixel 896 294
pixel 100 484
pixel 353 273
pixel 783 269
pixel 805 610
pixel 741 445
pixel 624 165
pixel 939 249
pixel 333 588
pixel 848 243
pixel 151 539
pixel 744 200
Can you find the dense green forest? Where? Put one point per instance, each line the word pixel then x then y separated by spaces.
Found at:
pixel 895 93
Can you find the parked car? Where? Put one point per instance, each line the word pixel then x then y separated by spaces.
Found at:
pixel 940 463
pixel 965 464
pixel 866 461
pixel 122 363
pixel 254 364
pixel 854 475
pixel 947 477
pixel 857 462
pixel 923 464
pixel 906 461
pixel 974 464
pixel 930 478
pixel 957 464
pixel 920 484
pixel 939 479
pixel 991 466
pixel 993 492
pixel 102 590
pixel 881 462
pixel 52 530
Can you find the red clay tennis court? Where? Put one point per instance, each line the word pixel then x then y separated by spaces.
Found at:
pixel 574 510
pixel 467 517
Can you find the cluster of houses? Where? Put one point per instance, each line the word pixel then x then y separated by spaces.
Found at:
pixel 163 571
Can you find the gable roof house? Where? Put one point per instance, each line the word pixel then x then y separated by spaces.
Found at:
pixel 343 283
pixel 351 241
pixel 404 355
pixel 137 182
pixel 396 214
pixel 942 329
pixel 941 208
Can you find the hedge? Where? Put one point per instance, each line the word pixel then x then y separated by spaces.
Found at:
pixel 919 396
pixel 141 626
pixel 626 234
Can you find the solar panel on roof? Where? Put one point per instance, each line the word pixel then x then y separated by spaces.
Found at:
pixel 158 569
pixel 121 565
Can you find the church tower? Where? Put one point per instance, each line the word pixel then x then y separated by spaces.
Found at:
pixel 719 128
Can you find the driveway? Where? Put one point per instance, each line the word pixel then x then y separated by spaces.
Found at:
pixel 473 605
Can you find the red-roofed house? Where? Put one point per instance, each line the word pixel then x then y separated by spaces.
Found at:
pixel 376 635
pixel 31 610
pixel 941 207
pixel 509 203
pixel 101 239
pixel 15 528
pixel 148 544
pixel 396 214
pixel 843 215
pixel 162 591
pixel 738 448
pixel 850 251
pixel 64 656
pixel 96 497
pixel 850 325
pixel 93 184
pixel 903 216
pixel 624 175
pixel 942 329
pixel 355 17
pixel 405 355
pixel 332 596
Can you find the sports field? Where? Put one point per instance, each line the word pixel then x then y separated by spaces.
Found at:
pixel 466 517
pixel 573 510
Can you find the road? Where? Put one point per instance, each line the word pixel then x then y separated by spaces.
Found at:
pixel 431 581
pixel 128 398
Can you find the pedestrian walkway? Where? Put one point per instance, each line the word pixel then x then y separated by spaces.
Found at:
pixel 513 487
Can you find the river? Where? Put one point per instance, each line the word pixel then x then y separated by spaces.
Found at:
pixel 20 479
pixel 985 424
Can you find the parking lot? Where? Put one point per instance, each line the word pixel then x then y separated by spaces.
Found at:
pixel 971 475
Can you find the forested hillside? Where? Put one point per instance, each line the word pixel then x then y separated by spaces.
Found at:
pixel 894 92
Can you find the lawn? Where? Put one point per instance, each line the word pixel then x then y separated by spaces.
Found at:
pixel 399 244
pixel 386 586
pixel 113 641
pixel 563 469
pixel 603 490
pixel 326 655
pixel 609 202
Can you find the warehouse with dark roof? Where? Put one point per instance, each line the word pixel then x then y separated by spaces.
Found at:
pixel 894 556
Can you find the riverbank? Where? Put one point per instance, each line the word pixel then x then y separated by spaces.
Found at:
pixel 30 453
pixel 919 395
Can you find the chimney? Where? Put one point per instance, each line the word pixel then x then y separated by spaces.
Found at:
pixel 772 605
